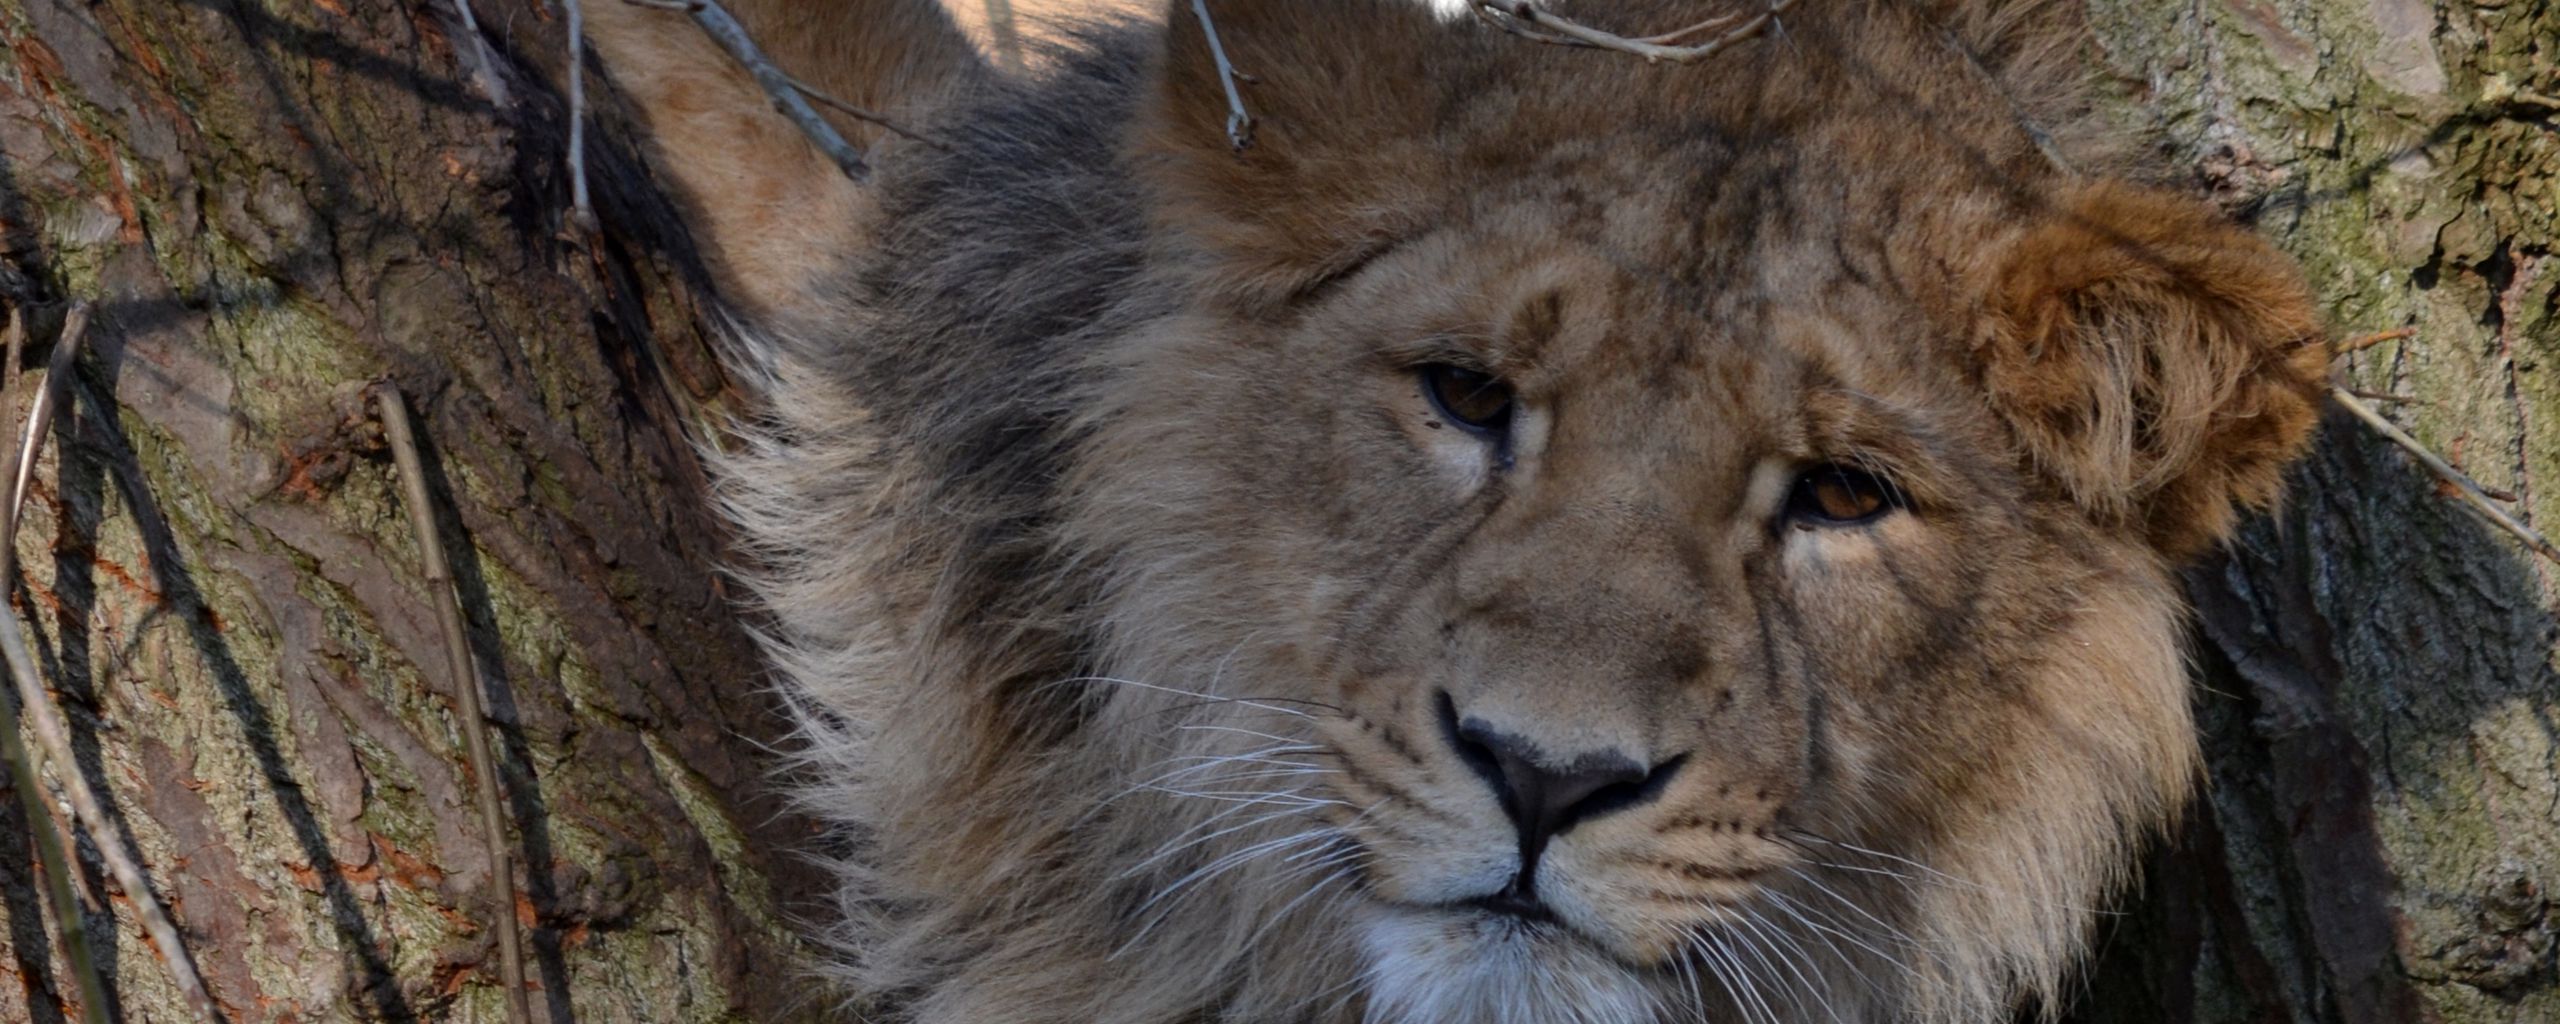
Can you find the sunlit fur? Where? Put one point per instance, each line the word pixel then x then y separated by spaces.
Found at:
pixel 1118 570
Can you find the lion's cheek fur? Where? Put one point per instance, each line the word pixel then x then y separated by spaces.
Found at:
pixel 2034 840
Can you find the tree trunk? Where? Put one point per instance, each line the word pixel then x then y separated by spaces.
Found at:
pixel 2381 842
pixel 272 205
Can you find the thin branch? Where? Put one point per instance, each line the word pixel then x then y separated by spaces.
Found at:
pixel 2499 90
pixel 2036 133
pixel 484 67
pixel 1530 19
pixel 2462 484
pixel 464 678
pixel 581 212
pixel 53 734
pixel 2370 340
pixel 1239 123
pixel 1003 34
pixel 732 37
pixel 864 114
pixel 53 856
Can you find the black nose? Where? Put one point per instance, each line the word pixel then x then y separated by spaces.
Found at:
pixel 1544 794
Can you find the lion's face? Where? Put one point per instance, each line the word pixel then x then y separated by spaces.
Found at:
pixel 1678 571
pixel 1642 633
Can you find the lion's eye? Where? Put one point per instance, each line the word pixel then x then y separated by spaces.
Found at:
pixel 1473 399
pixel 1837 495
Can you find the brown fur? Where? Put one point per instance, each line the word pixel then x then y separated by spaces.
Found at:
pixel 1131 592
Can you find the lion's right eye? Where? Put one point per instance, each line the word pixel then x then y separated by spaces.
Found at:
pixel 1837 495
pixel 1473 399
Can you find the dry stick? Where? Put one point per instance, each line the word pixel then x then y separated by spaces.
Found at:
pixel 2462 484
pixel 53 855
pixel 580 211
pixel 53 734
pixel 1000 29
pixel 2373 339
pixel 484 69
pixel 865 114
pixel 70 925
pixel 465 680
pixel 1239 123
pixel 1531 20
pixel 732 37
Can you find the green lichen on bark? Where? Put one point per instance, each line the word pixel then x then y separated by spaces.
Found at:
pixel 2397 149
pixel 274 205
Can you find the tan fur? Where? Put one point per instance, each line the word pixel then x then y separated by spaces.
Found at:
pixel 760 197
pixel 1133 596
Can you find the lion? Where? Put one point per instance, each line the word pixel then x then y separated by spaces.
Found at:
pixel 1536 535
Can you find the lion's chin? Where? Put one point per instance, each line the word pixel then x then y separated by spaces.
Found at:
pixel 1456 966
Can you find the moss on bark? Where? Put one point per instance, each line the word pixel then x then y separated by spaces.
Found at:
pixel 272 205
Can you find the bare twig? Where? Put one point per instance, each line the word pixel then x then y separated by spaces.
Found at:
pixel 1239 123
pixel 2462 484
pixel 2044 142
pixel 865 114
pixel 732 37
pixel 2499 90
pixel 1002 32
pixel 53 734
pixel 53 858
pixel 581 212
pixel 53 849
pixel 484 68
pixel 1530 19
pixel 2360 344
pixel 464 677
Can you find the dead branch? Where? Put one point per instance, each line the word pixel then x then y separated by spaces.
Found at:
pixel 581 212
pixel 1239 123
pixel 860 113
pixel 1003 36
pixel 2360 344
pixel 1530 19
pixel 2463 486
pixel 53 856
pixel 463 677
pixel 484 67
pixel 732 37
pixel 53 734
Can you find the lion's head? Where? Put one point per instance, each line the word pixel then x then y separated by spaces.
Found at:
pixel 1537 537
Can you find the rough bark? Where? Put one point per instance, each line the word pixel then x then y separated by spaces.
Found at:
pixel 275 203
pixel 272 205
pixel 2381 842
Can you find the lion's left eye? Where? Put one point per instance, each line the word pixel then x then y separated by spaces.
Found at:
pixel 1837 495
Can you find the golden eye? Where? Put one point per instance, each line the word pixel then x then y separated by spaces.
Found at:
pixel 1473 399
pixel 1837 495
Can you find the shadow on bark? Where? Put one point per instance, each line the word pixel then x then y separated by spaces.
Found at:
pixel 525 807
pixel 102 442
pixel 2344 648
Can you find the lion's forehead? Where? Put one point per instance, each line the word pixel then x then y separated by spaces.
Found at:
pixel 1640 342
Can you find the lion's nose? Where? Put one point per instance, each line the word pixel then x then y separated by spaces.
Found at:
pixel 1545 794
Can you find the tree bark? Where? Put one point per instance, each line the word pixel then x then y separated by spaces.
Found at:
pixel 2380 841
pixel 273 206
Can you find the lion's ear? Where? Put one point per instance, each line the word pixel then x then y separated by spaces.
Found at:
pixel 2161 365
pixel 1341 95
